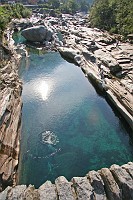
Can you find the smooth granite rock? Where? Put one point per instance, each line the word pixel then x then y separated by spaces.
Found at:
pixel 64 189
pixel 47 191
pixel 3 195
pixel 68 52
pixel 129 168
pixel 124 181
pixel 30 194
pixel 111 187
pixel 98 185
pixel 37 34
pixel 83 188
pixel 16 192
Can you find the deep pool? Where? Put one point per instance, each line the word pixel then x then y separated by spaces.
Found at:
pixel 68 129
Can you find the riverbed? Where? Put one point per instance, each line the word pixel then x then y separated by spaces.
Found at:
pixel 68 128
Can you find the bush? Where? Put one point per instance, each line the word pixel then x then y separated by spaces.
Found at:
pixel 7 12
pixel 115 16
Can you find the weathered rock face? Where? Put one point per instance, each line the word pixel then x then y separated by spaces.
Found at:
pixel 68 52
pixel 10 121
pixel 124 180
pixel 37 34
pixel 106 184
pixel 108 63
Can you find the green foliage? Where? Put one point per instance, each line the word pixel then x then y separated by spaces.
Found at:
pixel 115 16
pixel 67 6
pixel 7 12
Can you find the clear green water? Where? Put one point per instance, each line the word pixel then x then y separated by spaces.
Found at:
pixel 58 98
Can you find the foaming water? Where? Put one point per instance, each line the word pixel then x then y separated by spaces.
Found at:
pixel 68 129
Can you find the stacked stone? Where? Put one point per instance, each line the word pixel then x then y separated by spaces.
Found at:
pixel 115 183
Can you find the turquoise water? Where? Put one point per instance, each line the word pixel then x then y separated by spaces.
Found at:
pixel 68 129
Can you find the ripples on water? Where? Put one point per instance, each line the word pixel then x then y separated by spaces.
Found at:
pixel 79 130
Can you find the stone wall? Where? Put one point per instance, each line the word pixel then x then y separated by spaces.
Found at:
pixel 115 183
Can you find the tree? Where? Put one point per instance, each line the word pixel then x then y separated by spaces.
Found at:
pixel 113 15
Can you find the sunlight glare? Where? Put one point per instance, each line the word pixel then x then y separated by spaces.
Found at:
pixel 44 89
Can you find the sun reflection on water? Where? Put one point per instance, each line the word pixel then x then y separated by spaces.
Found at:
pixel 44 89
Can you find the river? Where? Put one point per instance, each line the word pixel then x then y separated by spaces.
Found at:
pixel 67 127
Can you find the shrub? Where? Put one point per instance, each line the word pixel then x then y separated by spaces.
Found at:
pixel 115 16
pixel 7 12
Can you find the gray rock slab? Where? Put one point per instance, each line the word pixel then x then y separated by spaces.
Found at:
pixel 124 180
pixel 35 34
pixel 68 52
pixel 98 185
pixel 30 194
pixel 129 168
pixel 47 191
pixel 16 192
pixel 83 188
pixel 64 189
pixel 3 195
pixel 111 187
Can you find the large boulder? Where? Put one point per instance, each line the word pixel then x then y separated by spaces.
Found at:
pixel 37 34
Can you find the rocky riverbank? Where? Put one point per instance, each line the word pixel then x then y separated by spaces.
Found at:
pixel 10 113
pixel 115 183
pixel 102 58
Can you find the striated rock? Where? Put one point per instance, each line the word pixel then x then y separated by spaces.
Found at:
pixel 64 189
pixel 47 191
pixel 83 188
pixel 10 118
pixel 111 187
pixel 68 52
pixel 129 168
pixel 98 185
pixel 108 60
pixel 89 56
pixel 124 181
